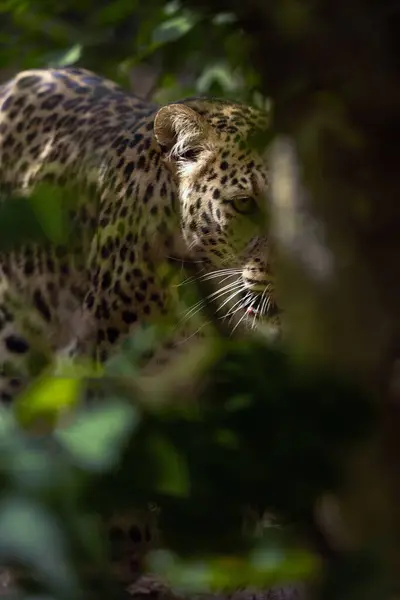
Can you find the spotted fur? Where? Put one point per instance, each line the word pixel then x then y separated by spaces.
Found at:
pixel 151 184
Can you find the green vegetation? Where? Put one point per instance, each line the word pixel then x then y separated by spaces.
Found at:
pixel 289 428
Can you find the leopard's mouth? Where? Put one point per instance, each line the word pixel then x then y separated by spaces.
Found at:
pixel 259 305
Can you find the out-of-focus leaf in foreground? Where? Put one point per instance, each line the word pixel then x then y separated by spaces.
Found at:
pixel 27 532
pixel 47 399
pixel 95 438
pixel 40 217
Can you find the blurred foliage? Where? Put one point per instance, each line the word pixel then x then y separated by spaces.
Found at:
pixel 263 429
pixel 114 37
pixel 276 439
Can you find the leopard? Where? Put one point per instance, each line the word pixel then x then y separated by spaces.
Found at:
pixel 149 185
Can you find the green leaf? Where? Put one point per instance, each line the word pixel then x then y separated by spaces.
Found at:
pixel 47 398
pixel 225 18
pixel 7 426
pixel 69 57
pixel 220 74
pixel 18 223
pixel 97 435
pixel 173 29
pixel 31 536
pixel 39 217
pixel 50 205
pixel 134 348
pixel 172 7
pixel 172 468
pixel 230 572
pixel 32 469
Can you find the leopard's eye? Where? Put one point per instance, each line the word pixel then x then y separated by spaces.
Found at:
pixel 245 205
pixel 191 154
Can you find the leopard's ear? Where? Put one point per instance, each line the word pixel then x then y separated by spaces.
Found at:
pixel 181 132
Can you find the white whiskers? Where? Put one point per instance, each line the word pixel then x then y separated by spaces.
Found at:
pixel 234 286
pixel 234 298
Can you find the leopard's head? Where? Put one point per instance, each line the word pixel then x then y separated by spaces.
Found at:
pixel 216 151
